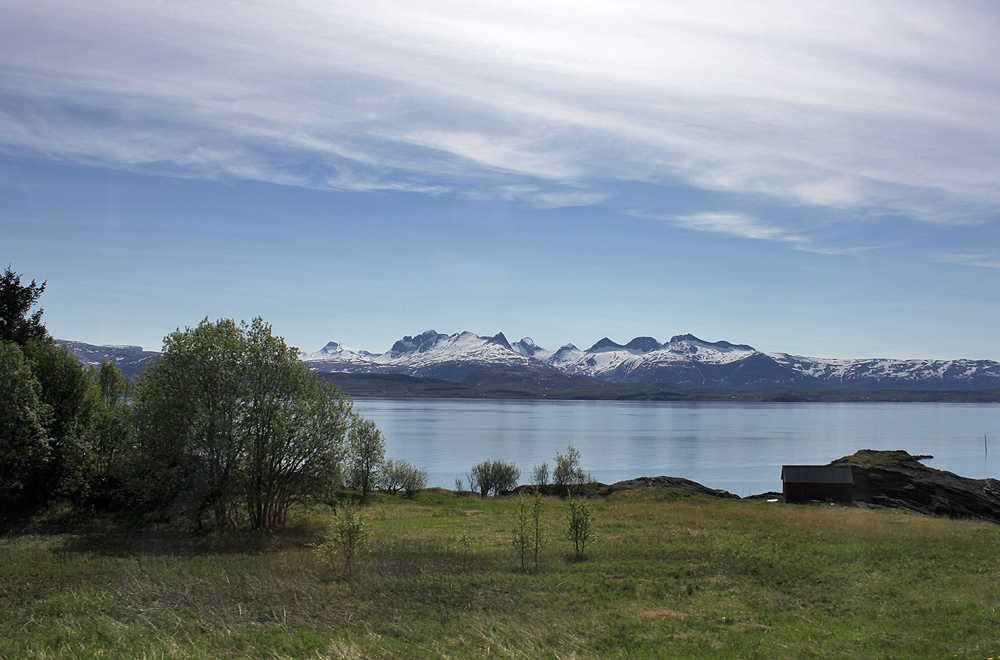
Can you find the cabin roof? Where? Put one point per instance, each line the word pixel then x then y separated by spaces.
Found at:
pixel 817 474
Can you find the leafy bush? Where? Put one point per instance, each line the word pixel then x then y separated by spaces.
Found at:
pixel 568 477
pixel 528 533
pixel 346 538
pixel 540 475
pixel 580 528
pixel 403 476
pixel 391 478
pixel 495 477
pixel 414 479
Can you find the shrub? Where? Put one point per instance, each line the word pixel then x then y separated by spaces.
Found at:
pixel 391 478
pixel 528 534
pixel 580 519
pixel 522 530
pixel 346 538
pixel 568 477
pixel 540 475
pixel 402 476
pixel 331 491
pixel 537 531
pixel 414 480
pixel 495 477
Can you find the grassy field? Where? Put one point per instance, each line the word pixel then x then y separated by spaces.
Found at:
pixel 668 575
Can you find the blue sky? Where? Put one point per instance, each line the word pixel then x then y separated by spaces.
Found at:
pixel 810 177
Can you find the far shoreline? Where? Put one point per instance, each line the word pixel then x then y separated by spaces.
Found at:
pixel 526 388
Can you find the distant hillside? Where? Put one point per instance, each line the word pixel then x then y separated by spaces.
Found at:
pixel 130 359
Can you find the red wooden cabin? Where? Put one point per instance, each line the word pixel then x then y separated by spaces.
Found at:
pixel 817 482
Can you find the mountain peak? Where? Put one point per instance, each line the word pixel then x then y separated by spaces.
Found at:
pixel 564 352
pixel 644 344
pixel 419 344
pixel 500 340
pixel 719 345
pixel 526 347
pixel 331 347
pixel 605 345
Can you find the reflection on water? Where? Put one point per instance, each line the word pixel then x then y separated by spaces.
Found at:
pixel 739 447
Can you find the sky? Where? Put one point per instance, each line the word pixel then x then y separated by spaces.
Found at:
pixel 815 178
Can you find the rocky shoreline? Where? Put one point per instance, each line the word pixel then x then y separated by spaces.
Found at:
pixel 897 480
pixel 882 479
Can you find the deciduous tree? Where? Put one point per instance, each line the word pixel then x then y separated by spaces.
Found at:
pixel 24 445
pixel 402 476
pixel 110 434
pixel 568 477
pixel 73 399
pixel 228 415
pixel 189 405
pixel 112 384
pixel 497 477
pixel 294 426
pixel 366 455
pixel 580 526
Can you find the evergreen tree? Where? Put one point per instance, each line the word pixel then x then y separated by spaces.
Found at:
pixel 17 323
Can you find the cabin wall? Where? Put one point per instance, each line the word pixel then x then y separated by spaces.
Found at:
pixel 798 492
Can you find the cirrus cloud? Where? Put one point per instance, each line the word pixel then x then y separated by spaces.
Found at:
pixel 875 109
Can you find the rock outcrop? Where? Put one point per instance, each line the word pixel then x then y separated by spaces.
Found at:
pixel 668 482
pixel 898 480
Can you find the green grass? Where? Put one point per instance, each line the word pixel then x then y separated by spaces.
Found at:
pixel 670 575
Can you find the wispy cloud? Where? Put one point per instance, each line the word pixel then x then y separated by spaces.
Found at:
pixel 889 107
pixel 982 260
pixel 739 225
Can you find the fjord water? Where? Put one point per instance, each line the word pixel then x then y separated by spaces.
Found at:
pixel 739 447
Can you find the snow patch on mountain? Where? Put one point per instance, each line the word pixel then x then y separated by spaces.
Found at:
pixel 431 354
pixel 530 349
pixel 868 371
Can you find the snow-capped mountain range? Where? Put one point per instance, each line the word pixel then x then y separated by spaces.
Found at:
pixel 684 360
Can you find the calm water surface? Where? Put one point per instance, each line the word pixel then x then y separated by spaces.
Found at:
pixel 739 447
